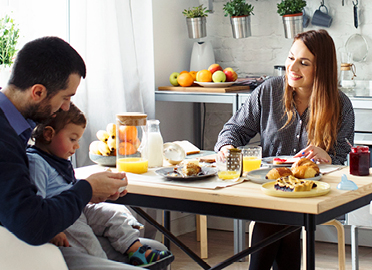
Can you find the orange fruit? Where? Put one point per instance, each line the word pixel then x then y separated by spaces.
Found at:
pixel 204 75
pixel 128 133
pixel 184 71
pixel 126 149
pixel 185 79
pixel 193 74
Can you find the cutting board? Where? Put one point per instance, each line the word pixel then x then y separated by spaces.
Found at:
pixel 204 89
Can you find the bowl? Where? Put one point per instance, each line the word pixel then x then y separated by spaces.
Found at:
pixel 173 153
pixel 103 160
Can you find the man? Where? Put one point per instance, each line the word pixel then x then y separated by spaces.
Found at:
pixel 45 75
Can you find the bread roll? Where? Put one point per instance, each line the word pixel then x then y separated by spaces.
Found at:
pixel 278 172
pixel 305 168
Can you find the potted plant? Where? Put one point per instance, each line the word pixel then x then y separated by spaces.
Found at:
pixel 239 12
pixel 291 12
pixel 196 19
pixel 9 34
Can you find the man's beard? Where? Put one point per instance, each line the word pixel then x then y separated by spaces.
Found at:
pixel 39 113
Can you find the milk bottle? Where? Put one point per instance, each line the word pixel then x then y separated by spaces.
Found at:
pixel 155 144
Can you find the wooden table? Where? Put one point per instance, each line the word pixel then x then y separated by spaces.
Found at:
pixel 246 201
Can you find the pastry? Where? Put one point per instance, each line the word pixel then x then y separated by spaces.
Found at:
pixel 293 184
pixel 191 169
pixel 276 173
pixel 305 168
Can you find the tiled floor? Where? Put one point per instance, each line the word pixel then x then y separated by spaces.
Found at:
pixel 220 244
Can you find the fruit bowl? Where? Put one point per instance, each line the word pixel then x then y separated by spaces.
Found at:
pixel 103 160
pixel 214 84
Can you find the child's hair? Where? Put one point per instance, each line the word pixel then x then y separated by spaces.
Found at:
pixel 74 115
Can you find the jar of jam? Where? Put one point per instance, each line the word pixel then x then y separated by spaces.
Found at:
pixel 359 160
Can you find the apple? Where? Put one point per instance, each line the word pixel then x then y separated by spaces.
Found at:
pixel 231 75
pixel 214 67
pixel 219 76
pixel 173 78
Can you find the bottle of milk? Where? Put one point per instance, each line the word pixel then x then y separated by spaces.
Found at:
pixel 155 144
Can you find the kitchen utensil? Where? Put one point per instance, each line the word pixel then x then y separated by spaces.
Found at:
pixel 173 153
pixel 230 167
pixel 357 45
pixel 321 18
pixel 252 156
pixel 202 55
pixel 355 12
pixel 172 174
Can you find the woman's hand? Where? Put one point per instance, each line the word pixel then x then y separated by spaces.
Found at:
pixel 223 151
pixel 60 240
pixel 316 154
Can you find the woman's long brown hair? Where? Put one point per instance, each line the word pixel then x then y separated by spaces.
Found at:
pixel 324 107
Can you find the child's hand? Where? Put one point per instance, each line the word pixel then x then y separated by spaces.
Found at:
pixel 60 240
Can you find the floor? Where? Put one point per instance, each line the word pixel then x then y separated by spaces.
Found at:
pixel 220 245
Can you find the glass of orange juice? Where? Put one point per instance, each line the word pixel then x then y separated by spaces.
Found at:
pixel 252 156
pixel 230 167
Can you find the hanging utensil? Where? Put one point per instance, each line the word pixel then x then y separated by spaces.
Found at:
pixel 355 10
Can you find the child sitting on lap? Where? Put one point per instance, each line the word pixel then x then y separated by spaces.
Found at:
pixel 52 173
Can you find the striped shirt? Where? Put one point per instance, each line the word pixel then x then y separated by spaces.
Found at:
pixel 263 113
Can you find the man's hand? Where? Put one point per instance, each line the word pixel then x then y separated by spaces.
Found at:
pixel 60 240
pixel 105 185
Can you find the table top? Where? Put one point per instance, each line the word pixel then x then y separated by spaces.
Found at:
pixel 249 194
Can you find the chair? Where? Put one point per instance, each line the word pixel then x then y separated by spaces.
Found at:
pixel 18 255
pixel 202 235
pixel 359 218
pixel 340 237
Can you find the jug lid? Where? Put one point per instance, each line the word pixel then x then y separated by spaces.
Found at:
pixel 131 119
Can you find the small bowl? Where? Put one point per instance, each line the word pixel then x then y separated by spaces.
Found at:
pixel 173 153
pixel 103 160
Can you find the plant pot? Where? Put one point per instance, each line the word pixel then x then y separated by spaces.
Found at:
pixel 4 75
pixel 293 24
pixel 197 27
pixel 241 26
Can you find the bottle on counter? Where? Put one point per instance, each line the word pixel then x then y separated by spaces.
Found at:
pixel 155 144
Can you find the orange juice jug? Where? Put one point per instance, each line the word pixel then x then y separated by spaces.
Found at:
pixel 131 140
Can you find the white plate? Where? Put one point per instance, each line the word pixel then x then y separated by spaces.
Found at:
pixel 259 176
pixel 268 161
pixel 322 188
pixel 168 173
pixel 214 84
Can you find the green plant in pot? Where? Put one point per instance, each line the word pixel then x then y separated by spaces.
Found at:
pixel 196 19
pixel 239 12
pixel 9 34
pixel 291 12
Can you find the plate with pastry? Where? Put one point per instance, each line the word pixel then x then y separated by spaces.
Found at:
pixel 303 169
pixel 186 173
pixel 292 187
pixel 279 161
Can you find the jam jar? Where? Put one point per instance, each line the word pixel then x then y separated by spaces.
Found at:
pixel 359 160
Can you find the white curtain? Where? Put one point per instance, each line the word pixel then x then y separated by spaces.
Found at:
pixel 114 37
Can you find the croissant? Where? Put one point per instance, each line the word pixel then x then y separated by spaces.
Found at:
pixel 278 172
pixel 305 168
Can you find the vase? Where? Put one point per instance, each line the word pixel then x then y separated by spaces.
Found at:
pixel 241 26
pixel 293 24
pixel 5 71
pixel 197 27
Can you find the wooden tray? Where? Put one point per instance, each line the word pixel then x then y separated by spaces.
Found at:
pixel 204 89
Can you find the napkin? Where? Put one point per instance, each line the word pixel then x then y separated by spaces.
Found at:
pixel 328 168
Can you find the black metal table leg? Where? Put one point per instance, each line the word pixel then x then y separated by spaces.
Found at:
pixel 310 242
pixel 171 237
pixel 167 226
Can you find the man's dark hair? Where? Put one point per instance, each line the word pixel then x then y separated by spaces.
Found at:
pixel 48 61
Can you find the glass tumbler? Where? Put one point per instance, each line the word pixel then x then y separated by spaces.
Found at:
pixel 252 156
pixel 230 167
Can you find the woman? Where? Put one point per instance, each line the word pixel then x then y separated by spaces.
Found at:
pixel 302 114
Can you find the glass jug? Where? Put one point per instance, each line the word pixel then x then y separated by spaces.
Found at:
pixel 155 144
pixel 347 71
pixel 131 142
